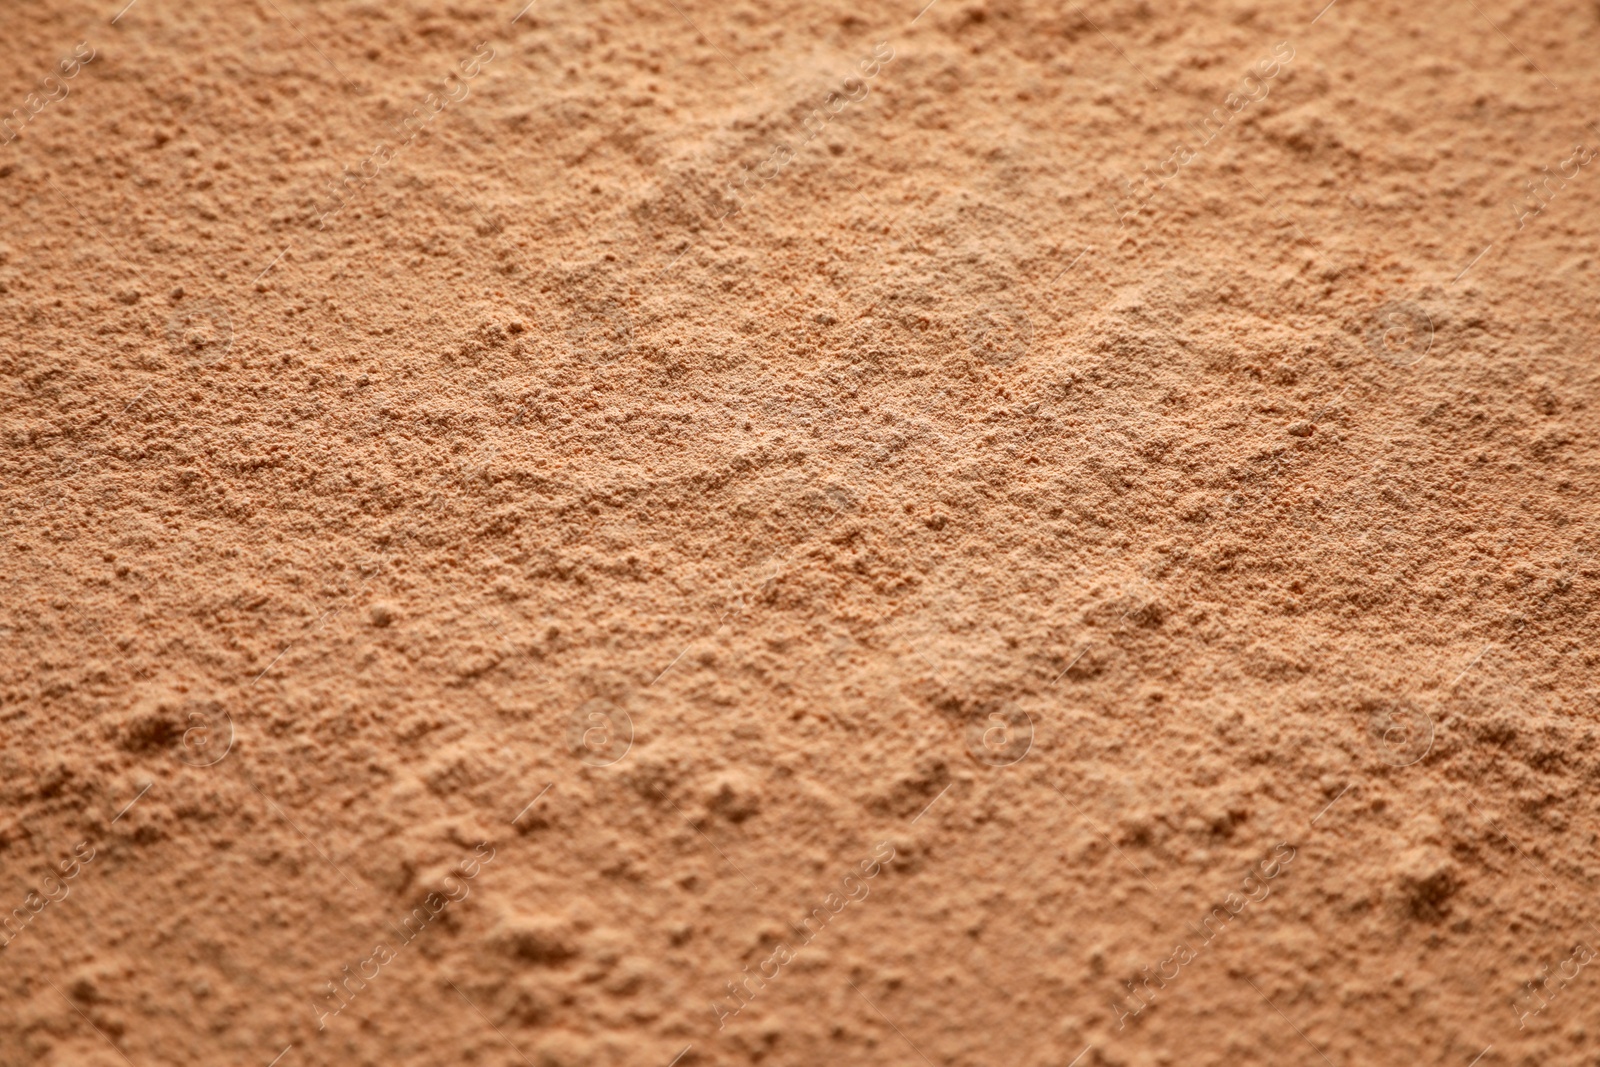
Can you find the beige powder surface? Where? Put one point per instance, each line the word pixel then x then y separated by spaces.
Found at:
pixel 652 532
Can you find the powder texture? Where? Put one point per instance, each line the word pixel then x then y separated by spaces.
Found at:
pixel 659 531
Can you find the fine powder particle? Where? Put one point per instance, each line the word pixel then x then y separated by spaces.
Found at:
pixel 667 533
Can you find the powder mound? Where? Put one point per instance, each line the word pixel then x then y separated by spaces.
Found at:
pixel 733 797
pixel 1428 884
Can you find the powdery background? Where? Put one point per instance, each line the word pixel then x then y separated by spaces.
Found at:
pixel 918 436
